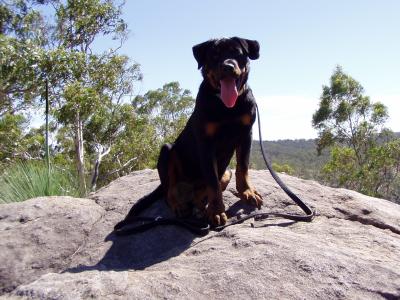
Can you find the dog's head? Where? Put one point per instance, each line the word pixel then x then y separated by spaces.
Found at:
pixel 225 64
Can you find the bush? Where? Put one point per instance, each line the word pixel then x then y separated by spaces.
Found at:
pixel 285 168
pixel 26 180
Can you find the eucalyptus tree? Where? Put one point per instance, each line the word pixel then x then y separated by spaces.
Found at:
pixel 23 36
pixel 53 40
pixel 168 108
pixel 88 82
pixel 362 156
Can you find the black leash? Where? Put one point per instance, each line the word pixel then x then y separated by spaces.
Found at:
pixel 196 226
pixel 309 213
pixel 202 227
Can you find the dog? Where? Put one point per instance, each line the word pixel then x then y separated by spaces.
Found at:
pixel 193 170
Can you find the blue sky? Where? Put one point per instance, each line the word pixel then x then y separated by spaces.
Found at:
pixel 301 43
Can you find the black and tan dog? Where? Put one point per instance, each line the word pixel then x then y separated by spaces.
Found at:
pixel 193 170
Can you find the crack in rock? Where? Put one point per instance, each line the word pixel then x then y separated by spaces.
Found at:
pixel 367 221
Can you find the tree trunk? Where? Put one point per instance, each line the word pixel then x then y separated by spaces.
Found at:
pixel 80 164
pixel 95 175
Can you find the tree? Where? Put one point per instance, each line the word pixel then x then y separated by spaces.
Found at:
pixel 354 126
pixel 136 147
pixel 22 40
pixel 150 121
pixel 168 108
pixel 59 50
pixel 346 116
pixel 97 126
pixel 92 82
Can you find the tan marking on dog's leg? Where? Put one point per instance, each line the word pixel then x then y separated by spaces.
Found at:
pixel 226 178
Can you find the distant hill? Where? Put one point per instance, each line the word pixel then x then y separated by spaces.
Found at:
pixel 300 154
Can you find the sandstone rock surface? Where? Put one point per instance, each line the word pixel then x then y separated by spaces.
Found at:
pixel 64 248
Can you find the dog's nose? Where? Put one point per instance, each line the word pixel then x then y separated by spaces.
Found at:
pixel 228 67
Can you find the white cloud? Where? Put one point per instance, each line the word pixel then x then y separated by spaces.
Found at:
pixel 289 117
pixel 286 117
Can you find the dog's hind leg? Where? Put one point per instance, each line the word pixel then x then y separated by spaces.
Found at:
pixel 162 165
pixel 178 193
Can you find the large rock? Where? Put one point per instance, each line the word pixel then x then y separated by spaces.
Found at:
pixel 64 248
pixel 41 236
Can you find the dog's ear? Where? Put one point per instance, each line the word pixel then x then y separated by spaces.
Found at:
pixel 250 47
pixel 200 52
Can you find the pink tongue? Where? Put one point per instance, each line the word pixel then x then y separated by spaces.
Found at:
pixel 229 92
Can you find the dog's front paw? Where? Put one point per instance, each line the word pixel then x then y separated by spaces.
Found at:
pixel 252 197
pixel 216 214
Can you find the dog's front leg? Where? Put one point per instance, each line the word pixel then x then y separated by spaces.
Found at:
pixel 215 209
pixel 247 194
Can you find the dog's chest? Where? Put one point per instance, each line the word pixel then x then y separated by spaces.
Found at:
pixel 228 127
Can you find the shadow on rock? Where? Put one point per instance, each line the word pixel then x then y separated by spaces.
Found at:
pixel 139 251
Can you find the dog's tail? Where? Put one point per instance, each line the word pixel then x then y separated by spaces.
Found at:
pixel 141 205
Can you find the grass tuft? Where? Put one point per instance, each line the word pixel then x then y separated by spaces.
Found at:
pixel 26 180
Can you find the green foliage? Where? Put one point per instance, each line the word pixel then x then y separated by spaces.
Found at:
pixel 285 168
pixel 26 180
pixel 364 155
pixel 10 135
pixel 92 89
pixel 168 109
pixel 86 88
pixel 20 19
pixel 382 174
pixel 80 21
pixel 134 143
pixel 23 36
pixel 16 142
pixel 342 168
pixel 78 99
pixel 96 126
pixel 19 62
pixel 346 116
pixel 379 177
